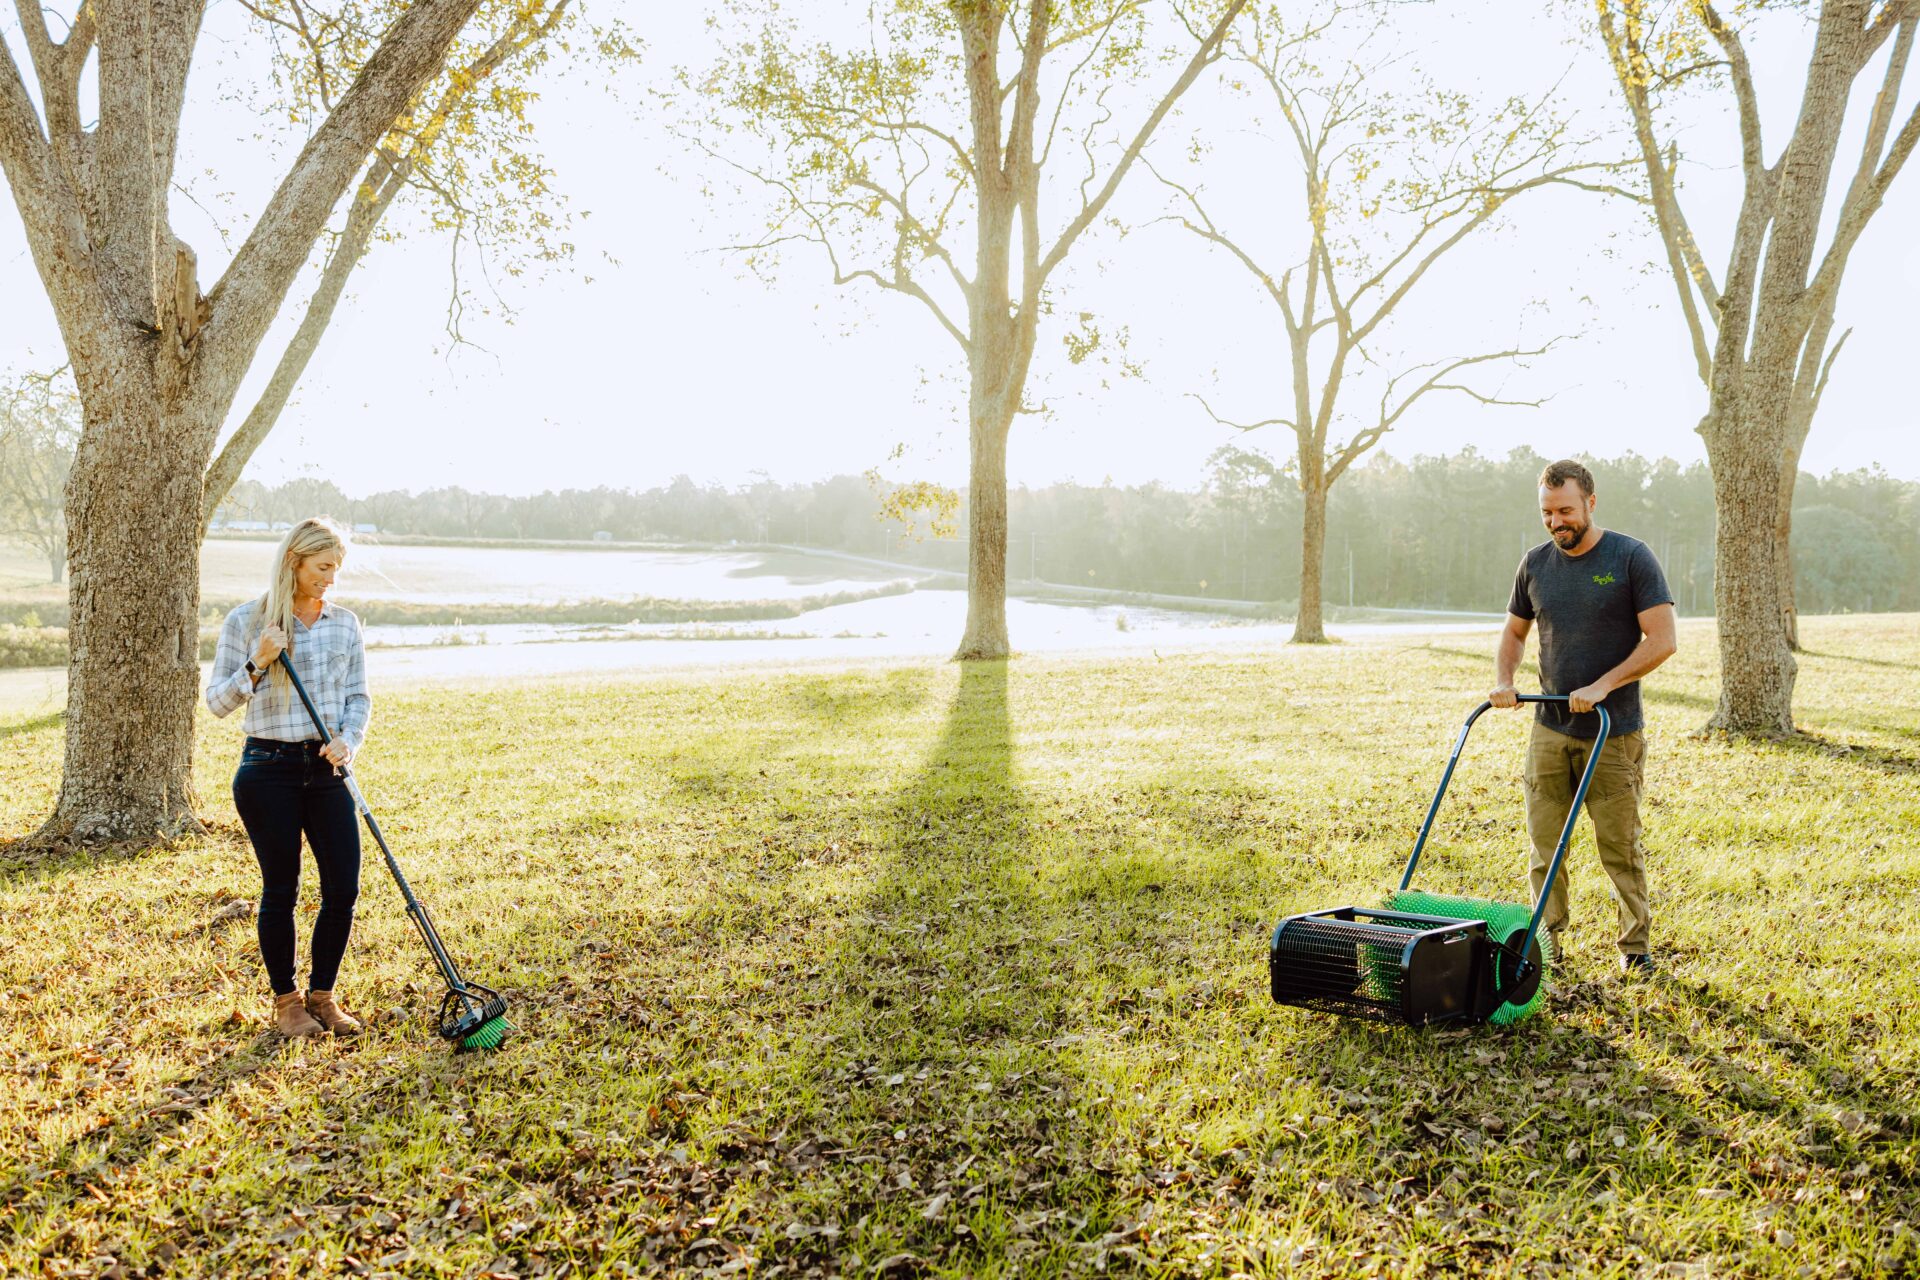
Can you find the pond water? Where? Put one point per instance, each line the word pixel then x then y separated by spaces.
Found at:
pixel 541 575
pixel 924 623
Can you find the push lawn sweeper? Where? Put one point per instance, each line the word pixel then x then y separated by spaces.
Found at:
pixel 1427 957
pixel 471 1016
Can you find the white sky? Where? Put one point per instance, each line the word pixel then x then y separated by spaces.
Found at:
pixel 670 361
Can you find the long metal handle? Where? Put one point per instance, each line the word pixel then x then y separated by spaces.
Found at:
pixel 421 920
pixel 1566 832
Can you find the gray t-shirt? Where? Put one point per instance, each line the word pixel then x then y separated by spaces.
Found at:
pixel 1588 610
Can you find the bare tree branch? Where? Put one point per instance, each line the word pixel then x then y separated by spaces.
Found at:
pixel 1752 155
pixel 1826 371
pixel 248 295
pixel 1101 31
pixel 922 236
pixel 1891 15
pixel 1205 55
pixel 1874 174
pixel 1207 231
pixel 49 207
pixel 44 53
pixel 1389 414
pixel 1631 70
pixel 1242 426
pixel 799 206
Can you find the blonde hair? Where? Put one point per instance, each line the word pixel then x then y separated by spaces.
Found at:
pixel 311 537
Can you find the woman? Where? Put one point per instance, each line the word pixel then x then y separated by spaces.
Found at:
pixel 289 780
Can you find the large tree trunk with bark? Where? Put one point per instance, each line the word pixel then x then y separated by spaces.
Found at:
pixel 1797 432
pixel 158 363
pixel 996 374
pixel 1308 625
pixel 1757 666
pixel 986 633
pixel 1768 324
pixel 1783 542
pixel 133 505
pixel 1002 319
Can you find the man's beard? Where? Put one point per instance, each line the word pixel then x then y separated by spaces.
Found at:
pixel 1568 536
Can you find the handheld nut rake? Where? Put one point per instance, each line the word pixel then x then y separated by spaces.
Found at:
pixel 471 1016
pixel 1428 957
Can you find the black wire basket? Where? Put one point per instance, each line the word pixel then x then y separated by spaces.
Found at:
pixel 1385 965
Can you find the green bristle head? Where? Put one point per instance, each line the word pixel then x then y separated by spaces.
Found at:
pixel 488 1035
pixel 1379 970
pixel 1506 923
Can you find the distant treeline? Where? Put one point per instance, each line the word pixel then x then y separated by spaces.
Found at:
pixel 1434 532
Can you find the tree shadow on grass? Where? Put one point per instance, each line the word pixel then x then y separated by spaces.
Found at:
pixel 1484 1146
pixel 939 1125
pixel 29 857
pixel 840 701
pixel 1666 696
pixel 34 725
pixel 1888 1107
pixel 1865 662
pixel 1865 755
pixel 835 1050
pixel 73 1169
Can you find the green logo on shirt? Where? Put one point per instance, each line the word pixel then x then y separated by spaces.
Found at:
pixel 1605 580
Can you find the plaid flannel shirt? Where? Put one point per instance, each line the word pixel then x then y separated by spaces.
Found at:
pixel 331 657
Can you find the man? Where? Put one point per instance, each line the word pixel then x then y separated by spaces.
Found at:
pixel 1606 619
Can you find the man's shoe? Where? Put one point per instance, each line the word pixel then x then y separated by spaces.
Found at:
pixel 1638 966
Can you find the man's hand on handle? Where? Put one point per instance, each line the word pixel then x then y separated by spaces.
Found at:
pixel 1580 701
pixel 1586 698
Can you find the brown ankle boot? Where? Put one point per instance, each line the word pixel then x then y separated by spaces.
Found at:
pixel 331 1016
pixel 291 1019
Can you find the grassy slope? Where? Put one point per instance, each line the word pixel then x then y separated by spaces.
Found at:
pixel 965 969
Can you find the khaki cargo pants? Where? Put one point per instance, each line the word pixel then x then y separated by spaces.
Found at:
pixel 1554 764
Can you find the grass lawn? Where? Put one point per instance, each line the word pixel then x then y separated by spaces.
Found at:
pixel 927 970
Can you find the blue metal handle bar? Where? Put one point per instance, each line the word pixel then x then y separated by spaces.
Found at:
pixel 1566 832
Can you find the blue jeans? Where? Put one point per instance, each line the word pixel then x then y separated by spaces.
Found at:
pixel 281 790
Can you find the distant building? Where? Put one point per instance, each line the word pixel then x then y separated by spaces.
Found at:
pixel 366 526
pixel 242 526
pixel 601 535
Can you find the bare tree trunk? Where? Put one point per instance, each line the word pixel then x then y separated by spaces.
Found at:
pixel 986 634
pixel 996 375
pixel 1783 525
pixel 1783 542
pixel 158 364
pixel 1307 622
pixel 1771 316
pixel 133 665
pixel 1757 666
pixel 57 561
